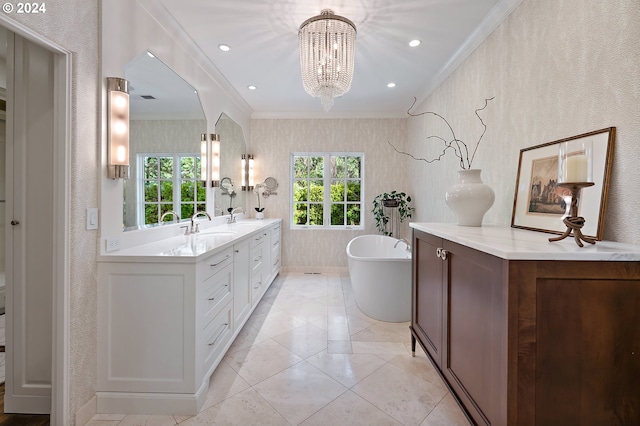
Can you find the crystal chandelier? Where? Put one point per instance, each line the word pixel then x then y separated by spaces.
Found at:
pixel 327 49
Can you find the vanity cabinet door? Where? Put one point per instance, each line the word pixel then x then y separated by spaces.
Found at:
pixel 475 354
pixel 428 294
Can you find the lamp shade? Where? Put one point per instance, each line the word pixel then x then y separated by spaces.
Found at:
pixel 118 127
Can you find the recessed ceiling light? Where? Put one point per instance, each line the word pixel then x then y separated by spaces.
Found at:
pixel 414 43
pixel 390 85
pixel 224 47
pixel 251 87
pixel 150 54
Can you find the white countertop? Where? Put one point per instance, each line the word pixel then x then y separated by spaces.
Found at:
pixel 189 248
pixel 517 244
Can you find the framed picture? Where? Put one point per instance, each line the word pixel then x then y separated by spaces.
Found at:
pixel 539 205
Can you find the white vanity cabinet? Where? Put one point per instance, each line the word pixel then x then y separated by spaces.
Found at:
pixel 166 321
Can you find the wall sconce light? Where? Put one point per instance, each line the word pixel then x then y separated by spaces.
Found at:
pixel 215 159
pixel 118 128
pixel 247 172
pixel 210 159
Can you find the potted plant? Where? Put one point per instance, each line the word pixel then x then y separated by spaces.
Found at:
pixel 258 190
pixel 396 200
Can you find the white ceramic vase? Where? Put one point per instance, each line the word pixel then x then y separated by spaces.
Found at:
pixel 259 215
pixel 469 198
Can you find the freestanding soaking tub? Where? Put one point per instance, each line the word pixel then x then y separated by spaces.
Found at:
pixel 381 277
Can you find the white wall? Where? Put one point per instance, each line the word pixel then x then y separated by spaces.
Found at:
pixel 272 145
pixel 557 68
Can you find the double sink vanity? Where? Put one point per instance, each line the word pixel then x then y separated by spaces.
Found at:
pixel 168 311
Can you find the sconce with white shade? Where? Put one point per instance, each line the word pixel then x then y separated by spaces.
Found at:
pixel 215 159
pixel 118 128
pixel 248 176
pixel 210 159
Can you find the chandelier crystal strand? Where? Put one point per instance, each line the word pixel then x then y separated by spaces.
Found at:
pixel 327 50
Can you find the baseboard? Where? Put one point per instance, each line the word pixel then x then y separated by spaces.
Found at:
pixel 86 412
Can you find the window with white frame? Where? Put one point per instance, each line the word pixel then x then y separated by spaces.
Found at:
pixel 327 190
pixel 169 182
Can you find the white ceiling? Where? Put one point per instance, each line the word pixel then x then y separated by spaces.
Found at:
pixel 263 36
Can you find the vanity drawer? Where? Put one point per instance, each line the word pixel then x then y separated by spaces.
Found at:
pixel 275 260
pixel 216 292
pixel 258 238
pixel 214 263
pixel 256 258
pixel 275 235
pixel 257 286
pixel 217 335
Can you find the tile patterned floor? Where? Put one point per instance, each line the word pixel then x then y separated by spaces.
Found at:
pixel 308 356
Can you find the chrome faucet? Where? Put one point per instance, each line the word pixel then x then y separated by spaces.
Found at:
pixel 232 218
pixel 195 229
pixel 402 240
pixel 165 214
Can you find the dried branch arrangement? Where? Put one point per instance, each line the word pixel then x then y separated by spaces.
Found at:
pixel 460 148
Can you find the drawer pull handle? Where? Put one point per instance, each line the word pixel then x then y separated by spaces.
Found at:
pixel 257 259
pixel 276 243
pixel 438 251
pixel 258 285
pixel 223 327
pixel 214 298
pixel 276 262
pixel 216 264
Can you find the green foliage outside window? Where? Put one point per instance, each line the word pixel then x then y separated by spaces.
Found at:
pixel 345 190
pixel 160 184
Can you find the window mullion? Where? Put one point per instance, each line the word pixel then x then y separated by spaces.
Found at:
pixel 177 180
pixel 326 216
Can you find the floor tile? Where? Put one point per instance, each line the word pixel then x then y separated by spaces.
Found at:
pixel 224 383
pixel 261 361
pixel 406 398
pixel 378 333
pixel 245 408
pixel 299 391
pixel 347 369
pixel 350 409
pixel 304 341
pixel 446 413
pixel 339 347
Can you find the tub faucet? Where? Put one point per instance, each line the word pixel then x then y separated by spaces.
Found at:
pixel 402 240
pixel 232 218
pixel 195 229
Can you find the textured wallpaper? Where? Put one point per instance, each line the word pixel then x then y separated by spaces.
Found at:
pixel 385 171
pixel 74 25
pixel 557 68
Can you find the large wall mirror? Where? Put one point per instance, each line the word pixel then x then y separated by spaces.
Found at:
pixel 166 123
pixel 232 147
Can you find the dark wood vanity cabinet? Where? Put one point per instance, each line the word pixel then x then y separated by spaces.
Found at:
pixel 529 342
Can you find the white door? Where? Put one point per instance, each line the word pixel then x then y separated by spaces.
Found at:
pixel 29 233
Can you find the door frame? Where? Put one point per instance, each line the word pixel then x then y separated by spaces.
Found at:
pixel 62 88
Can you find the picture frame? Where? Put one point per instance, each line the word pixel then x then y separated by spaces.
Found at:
pixel 540 206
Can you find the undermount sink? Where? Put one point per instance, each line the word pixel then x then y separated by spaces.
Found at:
pixel 217 232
